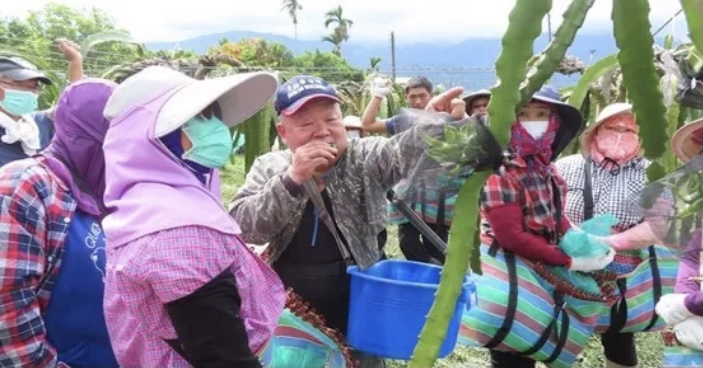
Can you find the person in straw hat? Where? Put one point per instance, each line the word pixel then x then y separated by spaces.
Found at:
pixel 684 309
pixel 182 288
pixel 608 171
pixel 353 126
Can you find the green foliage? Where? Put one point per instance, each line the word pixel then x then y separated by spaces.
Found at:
pixel 256 52
pixel 329 66
pixel 33 36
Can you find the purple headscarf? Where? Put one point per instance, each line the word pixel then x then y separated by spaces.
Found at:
pixel 75 154
pixel 148 189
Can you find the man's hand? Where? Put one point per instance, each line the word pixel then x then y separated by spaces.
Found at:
pixel 450 103
pixel 70 49
pixel 382 87
pixel 308 158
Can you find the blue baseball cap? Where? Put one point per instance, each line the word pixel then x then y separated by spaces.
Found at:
pixel 295 93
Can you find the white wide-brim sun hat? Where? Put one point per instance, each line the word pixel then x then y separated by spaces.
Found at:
pixel 683 143
pixel 351 121
pixel 608 112
pixel 239 96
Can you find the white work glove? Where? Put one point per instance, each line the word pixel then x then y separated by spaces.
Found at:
pixel 672 309
pixel 382 87
pixel 690 332
pixel 587 264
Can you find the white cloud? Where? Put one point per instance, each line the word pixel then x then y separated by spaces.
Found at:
pixel 427 21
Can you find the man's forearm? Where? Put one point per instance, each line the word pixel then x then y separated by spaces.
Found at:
pixel 369 120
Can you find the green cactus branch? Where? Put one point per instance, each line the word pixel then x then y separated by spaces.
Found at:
pixel 550 58
pixel 635 42
pixel 693 9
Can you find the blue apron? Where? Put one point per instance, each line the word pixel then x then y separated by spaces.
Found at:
pixel 74 319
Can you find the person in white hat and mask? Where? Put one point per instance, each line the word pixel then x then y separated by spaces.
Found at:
pixel 477 102
pixel 182 287
pixel 608 171
pixel 353 126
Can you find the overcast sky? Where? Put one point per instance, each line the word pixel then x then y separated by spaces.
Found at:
pixel 433 20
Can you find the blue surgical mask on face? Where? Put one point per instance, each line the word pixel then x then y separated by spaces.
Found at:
pixel 19 103
pixel 211 140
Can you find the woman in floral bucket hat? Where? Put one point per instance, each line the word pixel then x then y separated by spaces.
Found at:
pixel 522 216
pixel 609 170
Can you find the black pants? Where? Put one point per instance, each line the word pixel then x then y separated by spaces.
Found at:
pixel 416 247
pixel 501 359
pixel 619 348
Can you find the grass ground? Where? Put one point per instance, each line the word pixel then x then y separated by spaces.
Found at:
pixel 649 345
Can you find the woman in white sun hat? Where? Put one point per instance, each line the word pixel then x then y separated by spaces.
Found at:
pixel 353 126
pixel 610 170
pixel 182 288
pixel 477 102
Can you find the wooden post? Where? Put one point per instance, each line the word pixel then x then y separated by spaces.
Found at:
pixel 393 56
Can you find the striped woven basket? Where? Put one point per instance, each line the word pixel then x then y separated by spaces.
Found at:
pixel 301 340
pixel 643 277
pixel 679 356
pixel 519 311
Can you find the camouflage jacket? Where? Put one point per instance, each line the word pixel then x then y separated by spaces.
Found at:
pixel 267 212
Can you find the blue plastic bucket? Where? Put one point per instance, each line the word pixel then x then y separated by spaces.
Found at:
pixel 389 304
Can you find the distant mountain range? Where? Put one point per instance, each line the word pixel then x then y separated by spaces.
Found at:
pixel 468 63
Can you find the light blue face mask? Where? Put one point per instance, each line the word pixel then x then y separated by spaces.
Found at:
pixel 19 103
pixel 211 139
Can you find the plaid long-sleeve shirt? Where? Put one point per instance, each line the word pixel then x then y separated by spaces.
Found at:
pixel 515 183
pixel 35 213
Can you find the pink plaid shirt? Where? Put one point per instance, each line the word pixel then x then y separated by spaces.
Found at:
pixel 165 266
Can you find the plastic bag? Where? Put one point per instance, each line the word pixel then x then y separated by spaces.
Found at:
pixel 673 206
pixel 440 154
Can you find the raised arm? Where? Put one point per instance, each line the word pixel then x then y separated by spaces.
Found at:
pixel 72 52
pixel 369 121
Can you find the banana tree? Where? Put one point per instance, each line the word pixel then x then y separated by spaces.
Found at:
pixel 515 85
pixel 356 96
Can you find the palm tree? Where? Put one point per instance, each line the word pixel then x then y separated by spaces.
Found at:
pixel 341 31
pixel 335 38
pixel 292 7
pixel 375 63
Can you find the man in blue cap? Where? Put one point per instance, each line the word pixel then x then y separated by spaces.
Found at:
pixel 321 203
pixel 20 135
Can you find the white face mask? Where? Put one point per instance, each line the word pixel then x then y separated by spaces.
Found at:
pixel 353 134
pixel 535 128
